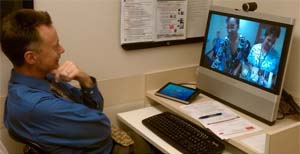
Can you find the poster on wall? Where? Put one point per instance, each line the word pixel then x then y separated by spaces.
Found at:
pixel 151 23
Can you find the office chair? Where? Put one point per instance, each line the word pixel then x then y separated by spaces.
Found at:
pixel 31 147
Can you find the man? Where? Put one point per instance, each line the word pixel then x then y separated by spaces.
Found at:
pixel 211 54
pixel 216 44
pixel 63 120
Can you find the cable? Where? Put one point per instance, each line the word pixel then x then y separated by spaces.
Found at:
pixel 282 114
pixel 287 106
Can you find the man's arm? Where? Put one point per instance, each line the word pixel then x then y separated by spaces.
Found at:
pixel 70 124
pixel 90 94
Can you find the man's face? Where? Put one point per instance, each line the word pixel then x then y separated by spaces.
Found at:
pixel 232 26
pixel 50 49
pixel 268 42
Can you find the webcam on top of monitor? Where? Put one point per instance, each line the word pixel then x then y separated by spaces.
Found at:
pixel 250 6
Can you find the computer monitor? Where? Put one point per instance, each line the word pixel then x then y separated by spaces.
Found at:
pixel 243 60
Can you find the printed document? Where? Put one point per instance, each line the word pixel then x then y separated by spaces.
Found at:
pixel 137 21
pixel 197 17
pixel 219 119
pixel 170 20
pixel 162 20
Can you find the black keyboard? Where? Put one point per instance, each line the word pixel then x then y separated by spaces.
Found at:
pixel 184 135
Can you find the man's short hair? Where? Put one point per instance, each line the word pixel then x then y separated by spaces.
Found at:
pixel 19 33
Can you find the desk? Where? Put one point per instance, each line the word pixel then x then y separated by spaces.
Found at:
pixel 133 120
pixel 2 148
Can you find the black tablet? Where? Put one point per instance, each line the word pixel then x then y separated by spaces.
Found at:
pixel 178 92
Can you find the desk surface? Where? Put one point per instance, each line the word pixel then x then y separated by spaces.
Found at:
pixel 236 141
pixel 2 149
pixel 134 118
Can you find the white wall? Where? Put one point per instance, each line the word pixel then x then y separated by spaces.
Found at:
pixel 89 31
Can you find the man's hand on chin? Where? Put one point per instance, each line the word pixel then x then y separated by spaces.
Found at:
pixel 68 71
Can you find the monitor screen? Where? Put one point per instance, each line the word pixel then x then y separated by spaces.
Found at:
pixel 248 49
pixel 245 51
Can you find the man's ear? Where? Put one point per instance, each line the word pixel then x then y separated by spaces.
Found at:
pixel 30 57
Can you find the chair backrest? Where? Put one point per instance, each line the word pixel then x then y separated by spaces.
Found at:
pixel 31 147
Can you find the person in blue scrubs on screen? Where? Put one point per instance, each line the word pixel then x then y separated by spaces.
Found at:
pixel 233 49
pixel 216 44
pixel 263 59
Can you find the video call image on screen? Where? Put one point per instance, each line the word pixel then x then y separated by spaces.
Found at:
pixel 244 49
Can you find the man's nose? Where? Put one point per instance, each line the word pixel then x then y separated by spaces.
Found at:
pixel 61 49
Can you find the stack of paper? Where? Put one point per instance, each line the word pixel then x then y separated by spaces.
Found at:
pixel 219 119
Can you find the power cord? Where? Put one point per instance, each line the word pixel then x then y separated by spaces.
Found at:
pixel 287 106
